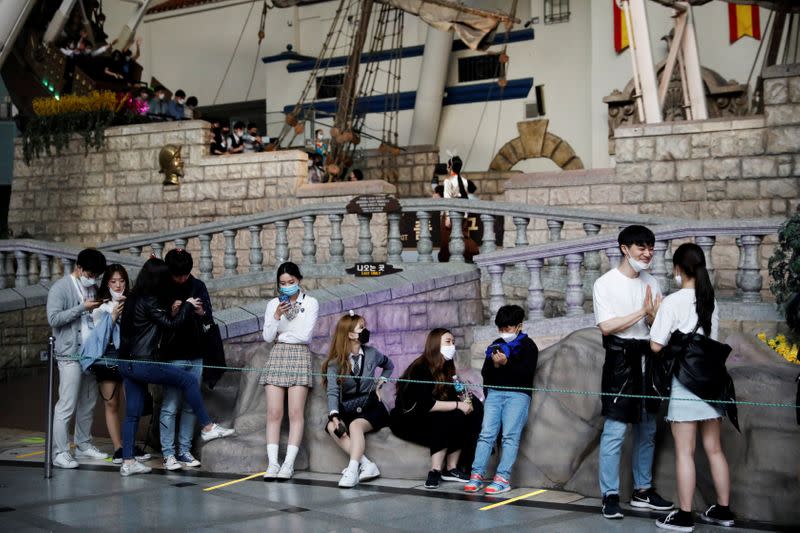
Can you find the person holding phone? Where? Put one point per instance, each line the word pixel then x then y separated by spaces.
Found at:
pixel 429 411
pixel 289 322
pixel 354 395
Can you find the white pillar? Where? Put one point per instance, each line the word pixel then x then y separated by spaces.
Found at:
pixel 694 81
pixel 643 56
pixel 12 17
pixel 56 25
pixel 432 78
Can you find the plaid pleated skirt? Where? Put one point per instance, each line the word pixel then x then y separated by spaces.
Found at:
pixel 287 365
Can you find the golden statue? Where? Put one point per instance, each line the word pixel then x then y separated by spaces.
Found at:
pixel 169 159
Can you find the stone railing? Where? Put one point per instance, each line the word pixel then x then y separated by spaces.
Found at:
pixel 25 262
pixel 583 260
pixel 335 243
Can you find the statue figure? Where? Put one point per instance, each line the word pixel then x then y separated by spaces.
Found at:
pixel 169 159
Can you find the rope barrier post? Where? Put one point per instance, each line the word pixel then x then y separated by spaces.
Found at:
pixel 48 440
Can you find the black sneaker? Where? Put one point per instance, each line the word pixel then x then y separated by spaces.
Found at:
pixel 676 521
pixel 117 458
pixel 455 475
pixel 140 454
pixel 650 499
pixel 722 516
pixel 611 508
pixel 434 477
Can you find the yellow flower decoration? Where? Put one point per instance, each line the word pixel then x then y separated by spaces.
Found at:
pixel 71 103
pixel 781 345
pixel 762 336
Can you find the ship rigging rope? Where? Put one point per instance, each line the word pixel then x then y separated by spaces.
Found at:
pixel 258 48
pixel 233 55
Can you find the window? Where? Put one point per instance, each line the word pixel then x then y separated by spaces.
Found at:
pixel 329 86
pixel 556 11
pixel 483 67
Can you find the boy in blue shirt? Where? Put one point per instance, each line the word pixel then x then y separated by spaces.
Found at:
pixel 511 364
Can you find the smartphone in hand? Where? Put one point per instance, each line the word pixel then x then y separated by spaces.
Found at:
pixel 283 298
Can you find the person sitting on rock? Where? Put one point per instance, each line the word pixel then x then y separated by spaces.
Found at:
pixel 354 396
pixel 625 300
pixel 435 415
pixel 510 363
pixel 692 310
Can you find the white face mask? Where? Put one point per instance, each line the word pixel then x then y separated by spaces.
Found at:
pixel 88 282
pixel 678 280
pixel 637 266
pixel 448 352
pixel 115 296
pixel 508 337
pixel 161 96
pixel 180 101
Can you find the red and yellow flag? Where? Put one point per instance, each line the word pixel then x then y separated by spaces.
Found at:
pixel 620 29
pixel 743 20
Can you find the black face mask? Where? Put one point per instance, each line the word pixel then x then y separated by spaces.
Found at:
pixel 363 337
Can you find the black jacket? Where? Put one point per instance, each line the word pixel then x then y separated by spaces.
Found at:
pixel 187 341
pixel 699 364
pixel 622 374
pixel 517 372
pixel 143 322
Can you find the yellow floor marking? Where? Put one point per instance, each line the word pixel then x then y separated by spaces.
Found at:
pixel 30 454
pixel 234 481
pixel 511 500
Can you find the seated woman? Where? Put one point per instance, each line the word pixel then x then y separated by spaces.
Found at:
pixel 354 396
pixel 436 416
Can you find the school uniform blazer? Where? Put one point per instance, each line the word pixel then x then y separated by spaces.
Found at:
pixel 373 359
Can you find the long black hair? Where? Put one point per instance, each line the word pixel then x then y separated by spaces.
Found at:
pixel 692 262
pixel 287 268
pixel 104 292
pixel 153 280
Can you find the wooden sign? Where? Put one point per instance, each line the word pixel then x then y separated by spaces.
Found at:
pixel 373 203
pixel 370 270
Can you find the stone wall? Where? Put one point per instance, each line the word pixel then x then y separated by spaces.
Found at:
pixel 23 336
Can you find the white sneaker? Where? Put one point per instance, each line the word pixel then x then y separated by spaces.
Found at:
pixel 216 432
pixel 272 472
pixel 368 471
pixel 349 478
pixel 65 460
pixel 286 471
pixel 130 469
pixel 170 463
pixel 90 452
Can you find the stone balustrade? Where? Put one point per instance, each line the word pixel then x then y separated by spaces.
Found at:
pixel 582 261
pixel 27 262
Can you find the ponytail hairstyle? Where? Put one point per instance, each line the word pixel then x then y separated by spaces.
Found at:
pixel 692 262
pixel 455 165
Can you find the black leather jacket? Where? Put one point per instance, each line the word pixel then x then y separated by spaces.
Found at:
pixel 622 374
pixel 142 324
pixel 699 364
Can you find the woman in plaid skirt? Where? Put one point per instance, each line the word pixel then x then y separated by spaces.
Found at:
pixel 289 322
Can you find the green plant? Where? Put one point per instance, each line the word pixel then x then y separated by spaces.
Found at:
pixel 784 265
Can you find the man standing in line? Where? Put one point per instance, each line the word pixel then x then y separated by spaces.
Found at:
pixel 625 302
pixel 69 312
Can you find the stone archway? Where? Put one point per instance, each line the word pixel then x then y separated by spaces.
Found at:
pixel 535 141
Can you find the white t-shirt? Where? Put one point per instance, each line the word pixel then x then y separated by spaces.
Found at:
pixel 677 311
pixel 451 189
pixel 296 331
pixel 616 295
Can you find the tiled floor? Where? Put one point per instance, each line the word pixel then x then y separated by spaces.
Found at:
pixel 96 497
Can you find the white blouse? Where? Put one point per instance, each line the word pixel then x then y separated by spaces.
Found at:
pixel 297 331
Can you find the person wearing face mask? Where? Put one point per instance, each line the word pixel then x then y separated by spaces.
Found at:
pixel 159 105
pixel 289 322
pixel 236 139
pixel 70 302
pixel 434 415
pixel 510 364
pixel 625 301
pixel 175 108
pixel 184 348
pixel 219 138
pixel 100 352
pixel 320 146
pixel 686 327
pixel 354 396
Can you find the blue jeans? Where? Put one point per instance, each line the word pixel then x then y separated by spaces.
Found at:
pixel 172 400
pixel 136 376
pixel 644 443
pixel 507 409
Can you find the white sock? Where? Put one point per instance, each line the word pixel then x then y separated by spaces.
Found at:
pixel 291 454
pixel 272 454
pixel 364 461
pixel 353 465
